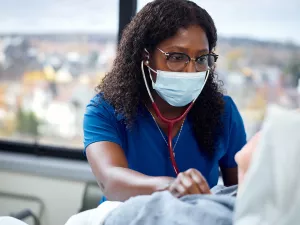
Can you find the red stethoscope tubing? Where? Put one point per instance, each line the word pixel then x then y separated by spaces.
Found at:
pixel 170 123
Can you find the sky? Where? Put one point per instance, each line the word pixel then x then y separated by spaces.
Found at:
pixel 261 19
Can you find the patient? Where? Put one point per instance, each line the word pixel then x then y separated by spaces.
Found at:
pixel 263 197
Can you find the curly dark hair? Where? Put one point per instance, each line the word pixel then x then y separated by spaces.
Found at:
pixel 124 87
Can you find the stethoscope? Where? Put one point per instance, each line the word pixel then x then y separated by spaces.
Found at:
pixel 169 122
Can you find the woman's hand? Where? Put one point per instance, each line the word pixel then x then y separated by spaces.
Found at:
pixel 189 182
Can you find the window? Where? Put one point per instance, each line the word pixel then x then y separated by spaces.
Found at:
pixel 259 50
pixel 53 53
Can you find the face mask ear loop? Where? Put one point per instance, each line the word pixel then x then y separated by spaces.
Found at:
pixel 145 81
pixel 150 75
pixel 149 68
pixel 206 78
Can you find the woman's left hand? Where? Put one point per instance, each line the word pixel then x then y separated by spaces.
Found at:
pixel 189 182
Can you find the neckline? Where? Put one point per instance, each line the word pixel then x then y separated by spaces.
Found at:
pixel 164 135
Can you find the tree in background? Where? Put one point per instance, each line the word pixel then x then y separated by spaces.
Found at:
pixel 27 123
pixel 293 69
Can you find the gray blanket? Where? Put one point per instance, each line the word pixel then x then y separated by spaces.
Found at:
pixel 163 209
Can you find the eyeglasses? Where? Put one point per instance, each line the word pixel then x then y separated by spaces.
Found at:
pixel 177 61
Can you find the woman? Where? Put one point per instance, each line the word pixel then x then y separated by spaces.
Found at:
pixel 164 69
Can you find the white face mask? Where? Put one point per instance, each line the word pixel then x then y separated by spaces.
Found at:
pixel 178 88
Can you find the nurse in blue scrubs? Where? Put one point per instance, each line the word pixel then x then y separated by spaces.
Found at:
pixel 164 69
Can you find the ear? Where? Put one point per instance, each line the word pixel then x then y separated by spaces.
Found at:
pixel 146 57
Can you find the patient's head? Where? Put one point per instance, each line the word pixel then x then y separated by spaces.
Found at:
pixel 243 157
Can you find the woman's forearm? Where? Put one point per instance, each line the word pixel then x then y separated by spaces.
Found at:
pixel 122 183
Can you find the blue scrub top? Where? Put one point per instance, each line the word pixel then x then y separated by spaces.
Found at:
pixel 145 149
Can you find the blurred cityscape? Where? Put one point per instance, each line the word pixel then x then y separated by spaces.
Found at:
pixel 47 80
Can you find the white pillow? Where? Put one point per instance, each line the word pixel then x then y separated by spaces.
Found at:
pixel 10 221
pixel 94 216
